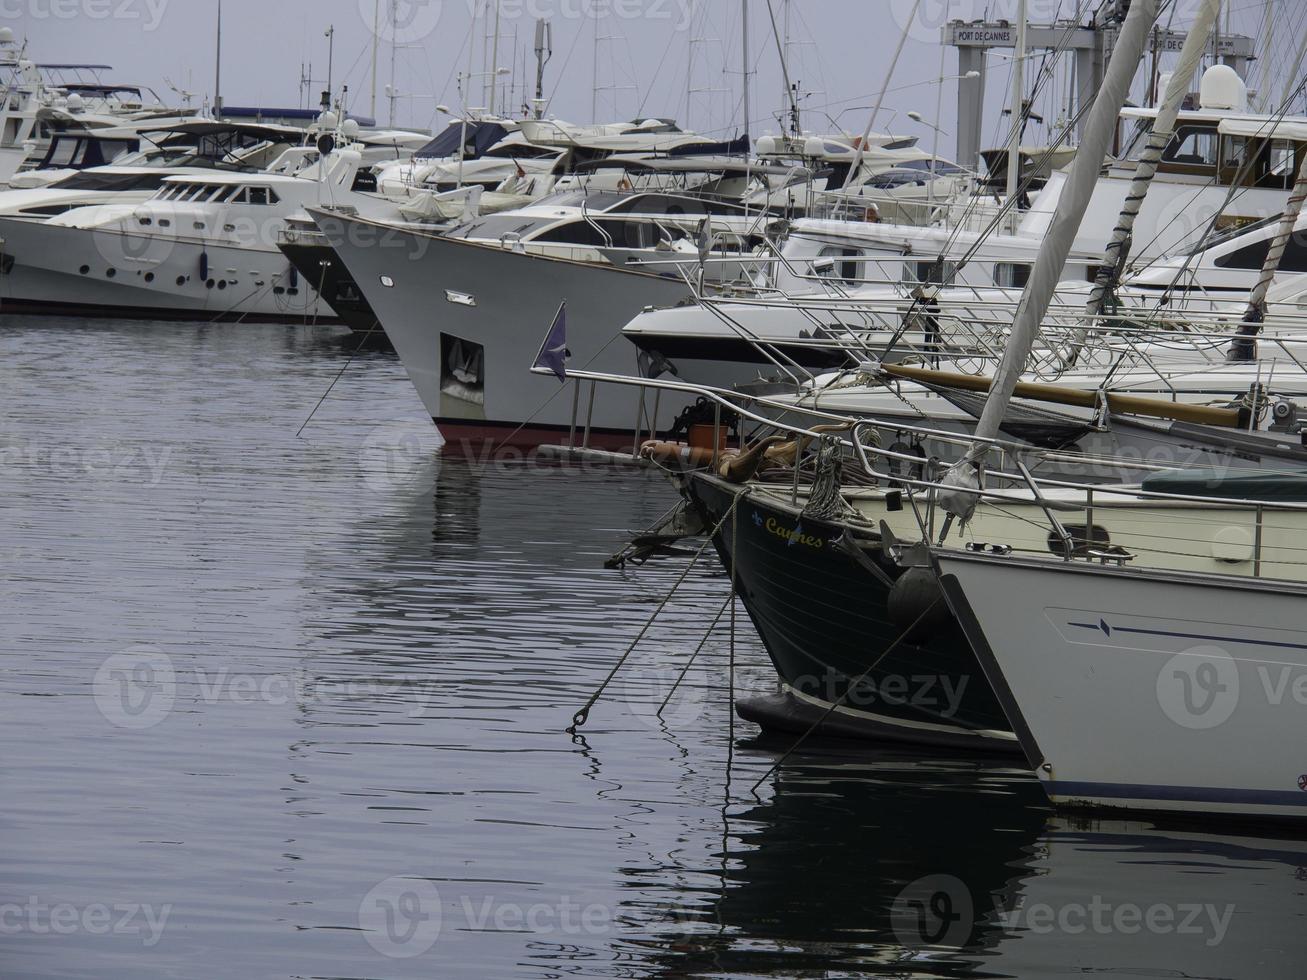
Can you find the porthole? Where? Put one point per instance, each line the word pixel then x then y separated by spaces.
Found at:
pixel 222 283
pixel 149 277
pixel 387 282
pixel 84 269
pixel 181 280
pixel 165 223
pixel 209 285
pixel 110 272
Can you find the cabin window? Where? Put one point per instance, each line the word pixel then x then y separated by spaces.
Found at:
pixel 577 232
pixel 1013 275
pixel 845 268
pixel 1255 162
pixel 1192 147
pixel 258 195
pixel 1253 257
pixel 938 272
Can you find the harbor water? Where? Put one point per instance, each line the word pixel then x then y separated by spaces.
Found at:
pixel 291 702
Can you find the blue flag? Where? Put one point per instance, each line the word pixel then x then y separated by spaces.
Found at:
pixel 553 352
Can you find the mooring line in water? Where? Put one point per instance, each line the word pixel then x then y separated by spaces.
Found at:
pixel 690 663
pixel 339 374
pixel 581 716
pixel 840 700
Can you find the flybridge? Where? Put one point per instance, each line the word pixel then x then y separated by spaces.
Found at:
pixel 1090 45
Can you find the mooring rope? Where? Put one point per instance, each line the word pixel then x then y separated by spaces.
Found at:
pixel 825 502
pixel 690 663
pixel 581 716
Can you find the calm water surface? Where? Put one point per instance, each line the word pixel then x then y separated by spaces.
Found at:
pixel 293 706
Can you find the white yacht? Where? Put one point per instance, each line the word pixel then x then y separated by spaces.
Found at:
pixel 203 246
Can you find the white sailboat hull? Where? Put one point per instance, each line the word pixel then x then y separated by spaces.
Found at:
pixel 1142 689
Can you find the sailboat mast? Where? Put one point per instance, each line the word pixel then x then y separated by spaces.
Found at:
pixel 791 96
pixel 1244 348
pixel 1018 109
pixel 376 36
pixel 744 60
pixel 493 67
pixel 1118 249
pixel 1071 207
pixel 871 121
pixel 393 42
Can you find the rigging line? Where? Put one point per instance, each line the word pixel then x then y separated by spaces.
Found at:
pixel 581 716
pixel 840 700
pixel 730 731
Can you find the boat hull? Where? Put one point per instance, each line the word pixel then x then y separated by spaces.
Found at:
pixel 823 616
pixel 467 321
pixel 1141 689
pixel 318 264
pixel 60 269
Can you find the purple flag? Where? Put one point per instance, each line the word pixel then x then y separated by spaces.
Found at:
pixel 553 352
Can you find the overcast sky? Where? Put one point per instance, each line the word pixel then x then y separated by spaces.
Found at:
pixel 616 59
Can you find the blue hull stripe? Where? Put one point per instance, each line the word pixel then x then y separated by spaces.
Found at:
pixel 1192 636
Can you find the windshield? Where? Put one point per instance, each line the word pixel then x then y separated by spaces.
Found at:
pixel 596 201
pixel 497 226
pixel 1234 231
pixel 91 180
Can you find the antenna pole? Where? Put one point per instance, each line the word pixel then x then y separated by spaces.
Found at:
pixel 217 69
pixel 331 48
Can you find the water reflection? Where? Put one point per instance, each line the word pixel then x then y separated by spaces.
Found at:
pixel 375 652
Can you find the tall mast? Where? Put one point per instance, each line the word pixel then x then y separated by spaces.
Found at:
pixel 1018 108
pixel 393 42
pixel 744 60
pixel 493 67
pixel 790 95
pixel 376 36
pixel 1118 249
pixel 1071 207
pixel 1245 348
pixel 866 133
